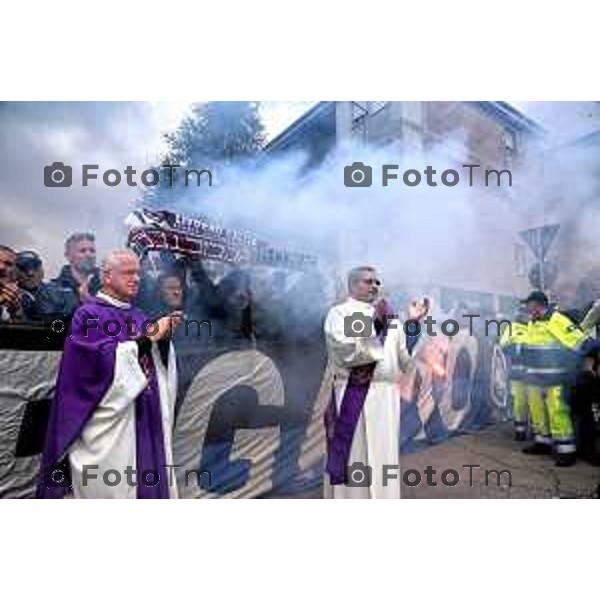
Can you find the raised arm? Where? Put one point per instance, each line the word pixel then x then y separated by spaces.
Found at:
pixel 406 362
pixel 592 318
pixel 417 310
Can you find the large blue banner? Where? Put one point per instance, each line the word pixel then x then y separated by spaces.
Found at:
pixel 249 415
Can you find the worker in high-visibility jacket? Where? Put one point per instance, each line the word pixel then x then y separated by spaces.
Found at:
pixel 511 341
pixel 552 355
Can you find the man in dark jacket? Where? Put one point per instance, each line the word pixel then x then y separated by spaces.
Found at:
pixel 585 406
pixel 81 275
pixel 40 300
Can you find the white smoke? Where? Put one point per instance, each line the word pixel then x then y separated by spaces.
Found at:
pixel 36 134
pixel 419 237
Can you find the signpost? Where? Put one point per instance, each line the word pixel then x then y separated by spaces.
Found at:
pixel 539 240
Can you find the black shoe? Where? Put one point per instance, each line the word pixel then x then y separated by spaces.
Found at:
pixel 537 449
pixel 520 436
pixel 591 458
pixel 566 460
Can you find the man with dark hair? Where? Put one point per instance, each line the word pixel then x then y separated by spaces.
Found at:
pixel 585 406
pixel 81 275
pixel 10 296
pixel 170 298
pixel 170 290
pixel 41 300
pixel 238 305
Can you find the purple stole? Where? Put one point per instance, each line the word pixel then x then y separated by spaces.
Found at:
pixel 340 427
pixel 86 372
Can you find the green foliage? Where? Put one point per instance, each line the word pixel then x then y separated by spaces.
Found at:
pixel 215 135
pixel 217 132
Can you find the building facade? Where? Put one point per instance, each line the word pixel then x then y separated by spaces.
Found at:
pixel 481 257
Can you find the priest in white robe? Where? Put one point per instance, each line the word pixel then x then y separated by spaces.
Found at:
pixel 368 353
pixel 109 432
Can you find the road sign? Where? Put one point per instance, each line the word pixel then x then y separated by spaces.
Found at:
pixel 539 239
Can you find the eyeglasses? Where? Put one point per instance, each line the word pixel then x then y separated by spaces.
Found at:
pixel 371 281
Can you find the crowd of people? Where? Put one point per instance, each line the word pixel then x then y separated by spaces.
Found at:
pixel 235 305
pixel 554 356
pixel 26 296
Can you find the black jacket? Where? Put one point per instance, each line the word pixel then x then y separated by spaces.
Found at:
pixel 66 281
pixel 49 301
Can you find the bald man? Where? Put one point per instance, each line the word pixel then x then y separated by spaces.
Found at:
pixel 109 434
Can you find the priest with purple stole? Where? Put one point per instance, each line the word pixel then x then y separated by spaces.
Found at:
pixel 368 352
pixel 109 433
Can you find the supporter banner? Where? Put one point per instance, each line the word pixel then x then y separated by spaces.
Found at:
pixel 250 416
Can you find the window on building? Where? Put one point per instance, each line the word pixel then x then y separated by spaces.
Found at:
pixel 374 107
pixel 360 113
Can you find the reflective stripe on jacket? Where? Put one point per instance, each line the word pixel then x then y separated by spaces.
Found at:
pixel 512 341
pixel 551 352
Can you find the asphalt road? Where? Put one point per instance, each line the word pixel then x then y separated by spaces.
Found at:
pixel 493 449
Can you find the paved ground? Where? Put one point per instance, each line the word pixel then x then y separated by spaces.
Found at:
pixel 494 449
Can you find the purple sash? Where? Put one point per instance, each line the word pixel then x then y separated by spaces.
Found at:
pixel 340 427
pixel 86 373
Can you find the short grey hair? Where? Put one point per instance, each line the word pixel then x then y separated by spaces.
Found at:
pixel 79 236
pixel 113 258
pixel 356 274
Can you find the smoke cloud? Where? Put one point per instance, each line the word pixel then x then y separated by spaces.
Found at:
pixel 419 237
